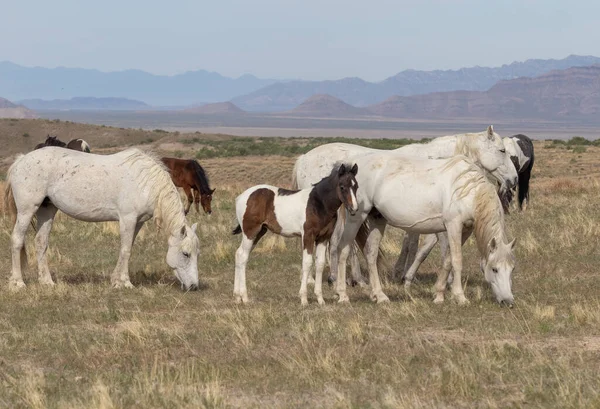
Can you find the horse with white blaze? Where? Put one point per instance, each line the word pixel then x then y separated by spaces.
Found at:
pixel 426 196
pixel 308 213
pixel 130 187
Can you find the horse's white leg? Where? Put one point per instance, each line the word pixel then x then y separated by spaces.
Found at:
pixel 18 247
pixel 428 244
pixel 455 240
pixel 357 276
pixel 334 241
pixel 241 259
pixel 320 255
pixel 307 260
pixel 45 218
pixel 350 229
pixel 440 284
pixel 128 228
pixel 371 250
pixel 444 251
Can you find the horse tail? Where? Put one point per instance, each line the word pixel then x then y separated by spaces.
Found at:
pixel 294 173
pixel 383 265
pixel 200 179
pixel 237 230
pixel 11 209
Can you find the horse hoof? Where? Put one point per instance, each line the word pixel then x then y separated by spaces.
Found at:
pixel 16 285
pixel 461 299
pixel 120 284
pixel 439 299
pixel 304 303
pixel 321 301
pixel 380 298
pixel 343 299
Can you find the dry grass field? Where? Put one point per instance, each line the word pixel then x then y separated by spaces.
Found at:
pixel 82 344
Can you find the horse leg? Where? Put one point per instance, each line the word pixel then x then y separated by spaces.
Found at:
pixel 371 251
pixel 334 241
pixel 196 195
pixel 308 248
pixel 399 267
pixel 524 188
pixel 445 252
pixel 19 256
pixel 442 279
pixel 343 248
pixel 455 237
pixel 320 255
pixel 45 218
pixel 242 254
pixel 129 228
pixel 428 245
pixel 190 198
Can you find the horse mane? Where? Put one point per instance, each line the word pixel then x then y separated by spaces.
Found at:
pixel 465 144
pixel 467 180
pixel 489 217
pixel 54 141
pixel 152 175
pixel 201 177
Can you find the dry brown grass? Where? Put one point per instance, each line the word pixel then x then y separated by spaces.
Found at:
pixel 84 344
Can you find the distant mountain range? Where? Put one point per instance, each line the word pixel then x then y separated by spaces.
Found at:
pixel 20 83
pixel 216 108
pixel 360 93
pixel 89 103
pixel 324 105
pixel 573 93
pixel 11 110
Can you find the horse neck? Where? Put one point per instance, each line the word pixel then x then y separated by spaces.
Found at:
pixel 326 193
pixel 489 217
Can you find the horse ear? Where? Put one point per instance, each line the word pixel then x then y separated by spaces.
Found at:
pixel 492 246
pixel 512 243
pixel 213 191
pixel 490 131
pixel 194 227
pixel 342 170
pixel 183 233
pixel 354 169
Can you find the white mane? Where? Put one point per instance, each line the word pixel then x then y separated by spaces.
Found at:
pixel 152 175
pixel 467 180
pixel 489 217
pixel 467 144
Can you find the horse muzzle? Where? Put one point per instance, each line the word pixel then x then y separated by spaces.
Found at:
pixel 191 287
pixel 509 302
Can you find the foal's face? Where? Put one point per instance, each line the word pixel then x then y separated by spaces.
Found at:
pixel 182 257
pixel 206 200
pixel 347 187
pixel 498 268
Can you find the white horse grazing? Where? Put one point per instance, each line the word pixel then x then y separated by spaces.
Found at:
pixel 485 149
pixel 428 196
pixel 309 213
pixel 129 187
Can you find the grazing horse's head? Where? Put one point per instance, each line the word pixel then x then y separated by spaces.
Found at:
pixel 54 141
pixel 491 155
pixel 182 256
pixel 497 268
pixel 206 200
pixel 347 186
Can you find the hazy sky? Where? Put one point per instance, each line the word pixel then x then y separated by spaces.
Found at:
pixel 306 39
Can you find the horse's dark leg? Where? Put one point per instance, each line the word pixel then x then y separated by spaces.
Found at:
pixel 524 186
pixel 190 198
pixel 45 217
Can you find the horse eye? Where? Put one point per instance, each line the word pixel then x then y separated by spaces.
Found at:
pixel 503 150
pixel 186 255
pixel 495 270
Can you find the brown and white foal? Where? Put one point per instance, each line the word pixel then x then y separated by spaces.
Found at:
pixel 309 213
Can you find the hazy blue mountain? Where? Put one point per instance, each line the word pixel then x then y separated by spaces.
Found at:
pixel 90 103
pixel 19 83
pixel 354 91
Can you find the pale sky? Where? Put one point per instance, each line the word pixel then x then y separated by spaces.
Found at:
pixel 313 40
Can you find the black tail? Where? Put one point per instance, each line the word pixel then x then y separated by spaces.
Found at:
pixel 237 230
pixel 524 184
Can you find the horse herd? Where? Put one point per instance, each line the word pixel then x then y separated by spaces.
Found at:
pixel 343 197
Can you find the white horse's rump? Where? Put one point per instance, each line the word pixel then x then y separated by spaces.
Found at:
pixel 457 199
pixel 129 187
pixel 485 149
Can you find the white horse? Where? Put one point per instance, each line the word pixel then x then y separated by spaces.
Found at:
pixel 428 196
pixel 129 187
pixel 485 149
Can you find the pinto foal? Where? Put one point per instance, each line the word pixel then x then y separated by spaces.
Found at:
pixel 309 213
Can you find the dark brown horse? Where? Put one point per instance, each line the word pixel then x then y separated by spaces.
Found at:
pixel 189 175
pixel 74 144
